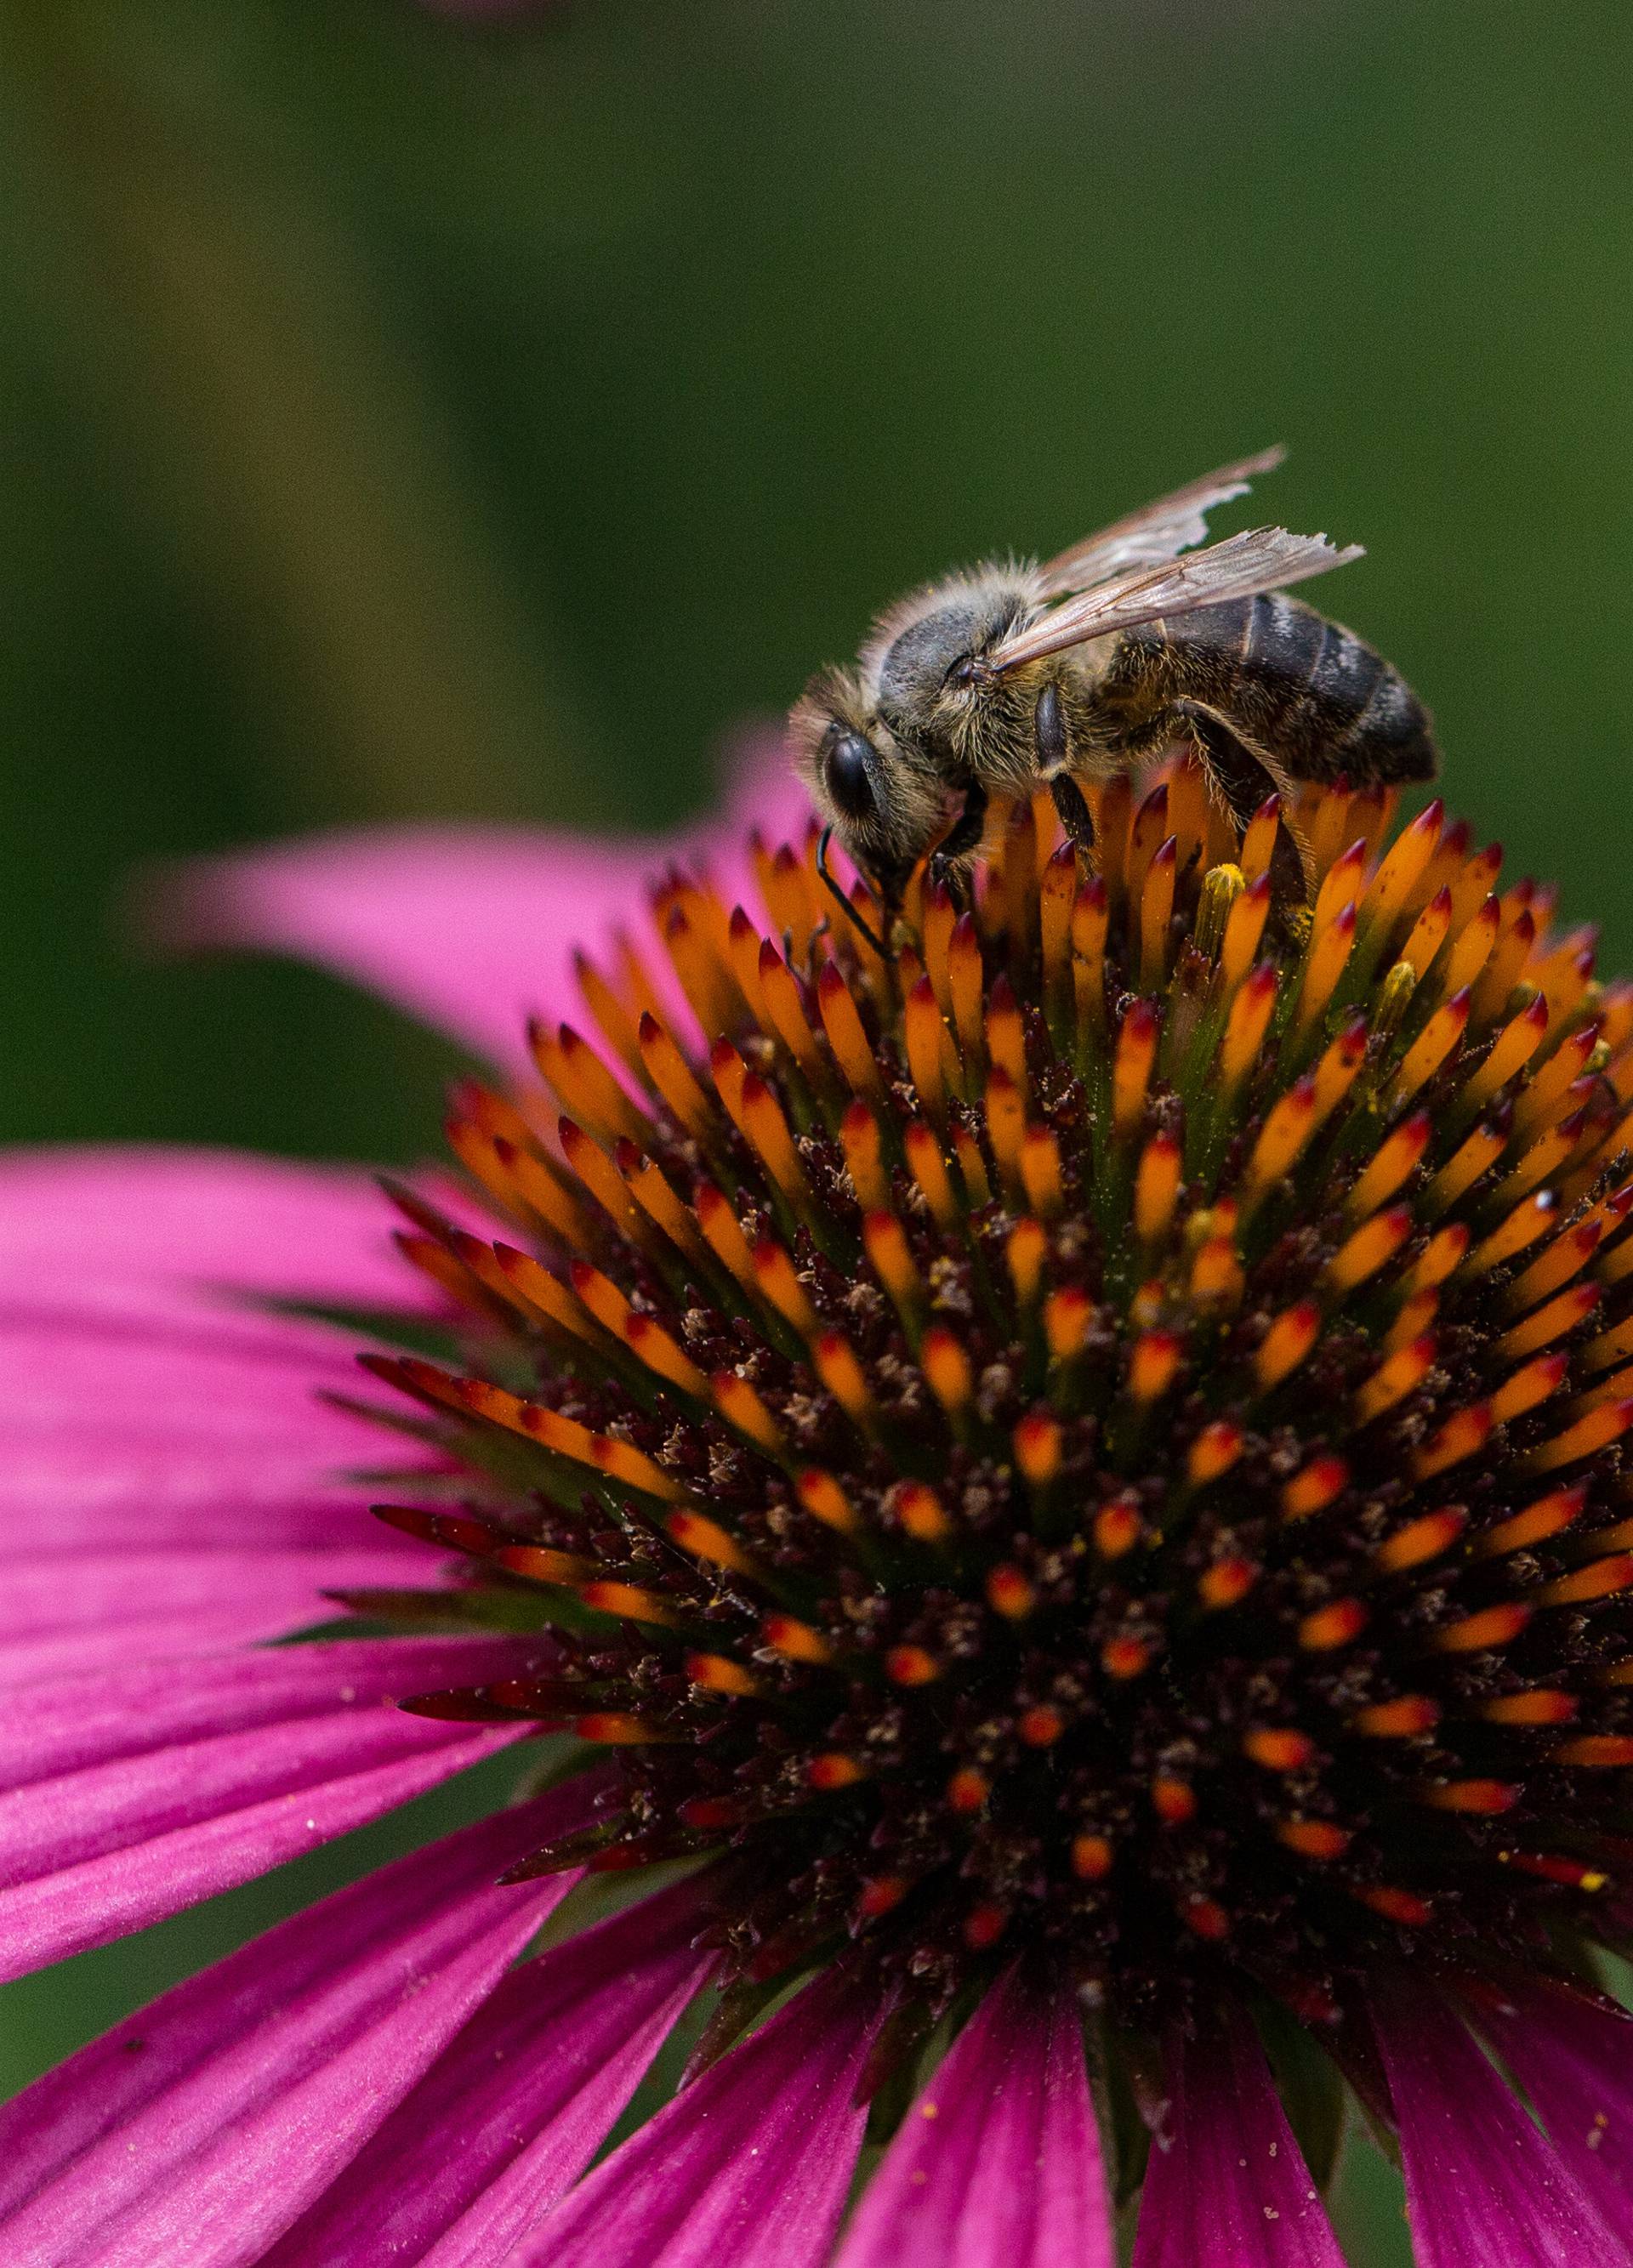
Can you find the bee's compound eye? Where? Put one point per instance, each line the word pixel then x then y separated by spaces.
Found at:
pixel 848 774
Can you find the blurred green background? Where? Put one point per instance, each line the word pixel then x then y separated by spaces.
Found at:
pixel 411 417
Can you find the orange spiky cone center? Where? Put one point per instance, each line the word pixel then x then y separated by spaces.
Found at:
pixel 1101 1434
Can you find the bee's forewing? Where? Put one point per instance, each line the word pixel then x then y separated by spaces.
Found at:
pixel 1159 530
pixel 1259 559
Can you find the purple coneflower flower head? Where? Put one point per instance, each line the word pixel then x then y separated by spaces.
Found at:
pixel 1057 1501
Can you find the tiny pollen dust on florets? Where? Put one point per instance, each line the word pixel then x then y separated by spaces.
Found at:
pixel 1098 1435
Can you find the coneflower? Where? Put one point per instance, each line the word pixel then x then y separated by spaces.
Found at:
pixel 1071 1479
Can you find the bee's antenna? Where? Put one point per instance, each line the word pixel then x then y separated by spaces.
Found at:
pixel 832 881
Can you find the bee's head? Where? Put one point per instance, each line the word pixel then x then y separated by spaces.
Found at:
pixel 884 806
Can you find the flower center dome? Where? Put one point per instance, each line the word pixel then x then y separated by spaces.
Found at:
pixel 1097 1434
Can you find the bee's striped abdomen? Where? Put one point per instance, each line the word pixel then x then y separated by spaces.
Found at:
pixel 1310 693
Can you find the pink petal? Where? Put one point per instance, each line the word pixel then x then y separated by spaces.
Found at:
pixel 61 1614
pixel 1576 2063
pixel 998 2162
pixel 197 2132
pixel 505 2122
pixel 143 1403
pixel 1484 2188
pixel 127 1796
pixel 749 2166
pixel 75 1223
pixel 473 929
pixel 1230 2188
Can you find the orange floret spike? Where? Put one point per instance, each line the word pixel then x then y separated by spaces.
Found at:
pixel 1322 1482
pixel 1006 1127
pixel 743 1409
pixel 1330 1627
pixel 840 1371
pixel 1568 1254
pixel 1421 1540
pixel 1556 1319
pixel 1463 1435
pixel 1371 1247
pixel 921 1513
pixel 1213 1453
pixel 1486 1631
pixel 1398 1374
pixel 1132 1067
pixel 1402 863
pixel 1407 1718
pixel 583 1086
pixel 601 1177
pixel 1058 889
pixel 1529 1220
pixel 778 1283
pixel 1279 1748
pixel 825 1500
pixel 1153 1365
pixel 1511 1051
pixel 1319 1839
pixel 1595 1752
pixel 1546 1517
pixel 1091 917
pixel 1286 1343
pixel 717 1672
pixel 1329 955
pixel 864 1158
pixel 926 1038
pixel 1287 1128
pixel 1226 1583
pixel 1397 1157
pixel 1475 1156
pixel 947 1369
pixel 1005 1035
pixel 1341 886
pixel 663 1355
pixel 1245 929
pixel 851 1050
pixel 966 980
pixel 927 1163
pixel 785 1014
pixel 1157 906
pixel 1528 1387
pixel 1341 1061
pixel 1600 1579
pixel 1157 1188
pixel 1245 1026
pixel 1009 1594
pixel 1042 1176
pixel 1428 933
pixel 885 1242
pixel 1480 1799
pixel 723 1235
pixel 1430 1051
pixel 795 1640
pixel 1259 840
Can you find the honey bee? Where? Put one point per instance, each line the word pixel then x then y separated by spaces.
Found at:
pixel 1007 677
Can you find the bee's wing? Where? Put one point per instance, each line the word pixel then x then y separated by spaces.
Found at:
pixel 1159 530
pixel 1259 559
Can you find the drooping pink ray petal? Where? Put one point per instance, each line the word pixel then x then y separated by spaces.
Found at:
pixel 1485 2189
pixel 76 1223
pixel 750 2165
pixel 1228 2184
pixel 143 1403
pixel 198 2131
pixel 1575 2061
pixel 73 1611
pixel 504 2123
pixel 998 2161
pixel 473 929
pixel 127 1796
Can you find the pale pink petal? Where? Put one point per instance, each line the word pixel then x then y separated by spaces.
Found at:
pixel 473 929
pixel 75 1611
pixel 1228 2184
pixel 127 1796
pixel 506 2121
pixel 144 1406
pixel 1575 2061
pixel 1484 2188
pixel 197 2132
pixel 75 1223
pixel 751 2165
pixel 997 2164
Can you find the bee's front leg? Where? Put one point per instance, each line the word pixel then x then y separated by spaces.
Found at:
pixel 964 837
pixel 1054 756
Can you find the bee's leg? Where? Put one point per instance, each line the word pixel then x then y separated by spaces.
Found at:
pixel 1072 807
pixel 1245 779
pixel 962 838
